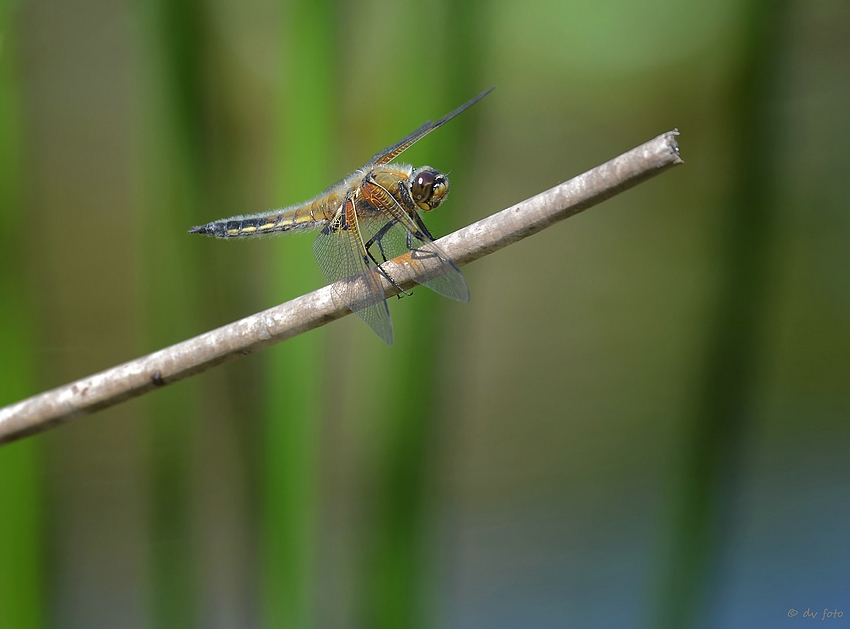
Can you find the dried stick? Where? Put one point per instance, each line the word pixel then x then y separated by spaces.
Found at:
pixel 310 311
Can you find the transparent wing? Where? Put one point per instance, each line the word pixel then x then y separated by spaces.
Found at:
pixel 389 231
pixel 389 239
pixel 341 256
pixel 391 152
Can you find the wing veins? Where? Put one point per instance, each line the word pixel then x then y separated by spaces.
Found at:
pixel 391 152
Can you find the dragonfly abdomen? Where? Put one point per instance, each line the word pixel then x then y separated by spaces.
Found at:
pixel 303 217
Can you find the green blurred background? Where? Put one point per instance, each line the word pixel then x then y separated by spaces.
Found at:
pixel 639 420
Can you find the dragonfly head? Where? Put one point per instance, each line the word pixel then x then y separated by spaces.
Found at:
pixel 428 187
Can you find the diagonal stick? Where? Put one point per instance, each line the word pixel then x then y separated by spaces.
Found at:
pixel 110 387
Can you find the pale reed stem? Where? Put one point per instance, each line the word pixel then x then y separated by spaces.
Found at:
pixel 322 306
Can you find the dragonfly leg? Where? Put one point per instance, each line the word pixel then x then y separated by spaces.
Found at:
pixel 384 273
pixel 421 225
pixel 378 238
pixel 424 236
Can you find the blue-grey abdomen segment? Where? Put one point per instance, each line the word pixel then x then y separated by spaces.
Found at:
pixel 243 227
pixel 311 215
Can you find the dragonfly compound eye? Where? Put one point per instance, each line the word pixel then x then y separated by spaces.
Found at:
pixel 429 188
pixel 423 185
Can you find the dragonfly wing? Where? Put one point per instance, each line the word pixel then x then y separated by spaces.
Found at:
pixel 340 253
pixel 391 152
pixel 450 283
pixel 389 231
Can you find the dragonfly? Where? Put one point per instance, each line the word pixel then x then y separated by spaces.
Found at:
pixel 368 218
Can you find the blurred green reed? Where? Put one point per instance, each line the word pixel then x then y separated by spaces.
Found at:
pixel 175 174
pixel 707 477
pixel 376 383
pixel 442 66
pixel 22 531
pixel 297 378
